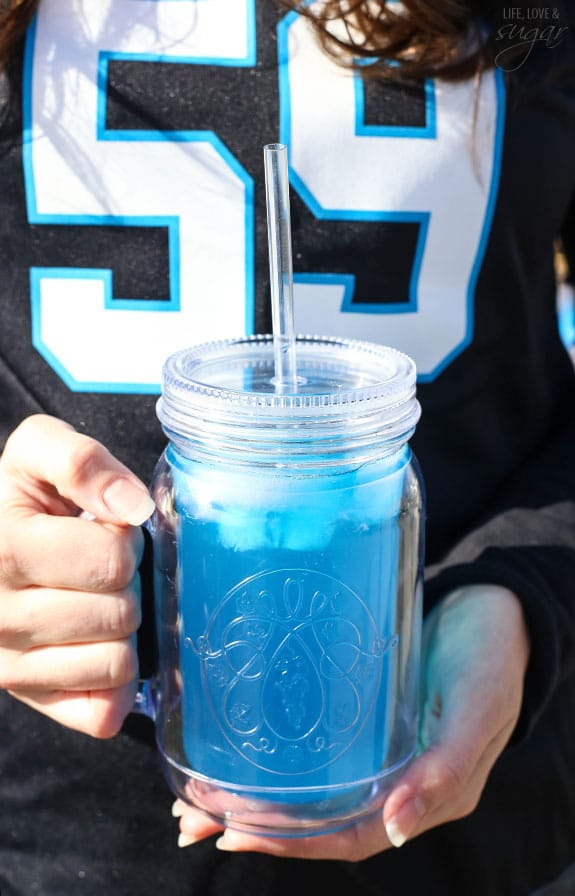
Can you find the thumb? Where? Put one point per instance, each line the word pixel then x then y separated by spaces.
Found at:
pixel 476 657
pixel 48 460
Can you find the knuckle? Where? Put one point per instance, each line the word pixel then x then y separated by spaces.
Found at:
pixel 11 633
pixel 27 429
pixel 110 710
pixel 467 804
pixel 29 433
pixel 32 423
pixel 106 723
pixel 78 464
pixel 356 846
pixel 117 564
pixel 122 665
pixel 451 778
pixel 470 803
pixel 105 727
pixel 10 679
pixel 123 617
pixel 8 560
pixel 15 621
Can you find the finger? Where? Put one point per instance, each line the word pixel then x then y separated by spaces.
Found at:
pixel 47 452
pixel 238 809
pixel 433 793
pixel 67 552
pixel 43 616
pixel 445 782
pixel 97 713
pixel 194 824
pixel 435 785
pixel 74 667
pixel 462 801
pixel 351 844
pixel 441 774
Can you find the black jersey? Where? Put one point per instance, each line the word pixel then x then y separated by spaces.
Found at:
pixel 424 216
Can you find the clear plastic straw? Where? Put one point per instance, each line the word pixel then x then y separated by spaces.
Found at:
pixel 281 270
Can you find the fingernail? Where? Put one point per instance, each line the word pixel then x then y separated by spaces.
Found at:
pixel 131 503
pixel 178 809
pixel 185 840
pixel 402 825
pixel 226 842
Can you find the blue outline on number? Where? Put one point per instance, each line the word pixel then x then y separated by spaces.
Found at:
pixel 348 280
pixel 428 131
pixel 172 304
pixel 37 275
pixel 345 280
pixel 348 306
pixel 500 97
pixel 331 214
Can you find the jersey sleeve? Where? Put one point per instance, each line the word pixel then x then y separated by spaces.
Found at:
pixel 526 542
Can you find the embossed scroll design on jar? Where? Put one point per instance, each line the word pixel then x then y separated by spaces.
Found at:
pixel 288 564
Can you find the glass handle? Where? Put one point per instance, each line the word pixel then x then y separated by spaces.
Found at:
pixel 145 701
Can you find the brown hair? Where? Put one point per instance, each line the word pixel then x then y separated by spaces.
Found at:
pixel 15 16
pixel 446 38
pixel 422 38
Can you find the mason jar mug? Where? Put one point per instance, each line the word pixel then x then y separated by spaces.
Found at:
pixel 288 561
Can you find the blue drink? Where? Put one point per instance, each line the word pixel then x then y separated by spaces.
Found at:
pixel 291 604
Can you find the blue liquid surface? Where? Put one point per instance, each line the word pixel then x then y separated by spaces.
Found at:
pixel 288 640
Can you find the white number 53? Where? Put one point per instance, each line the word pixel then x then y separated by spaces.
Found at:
pixel 77 172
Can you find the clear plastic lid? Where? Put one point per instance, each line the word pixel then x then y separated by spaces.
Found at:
pixel 349 394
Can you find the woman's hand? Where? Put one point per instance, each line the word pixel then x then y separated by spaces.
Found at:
pixel 475 653
pixel 69 587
